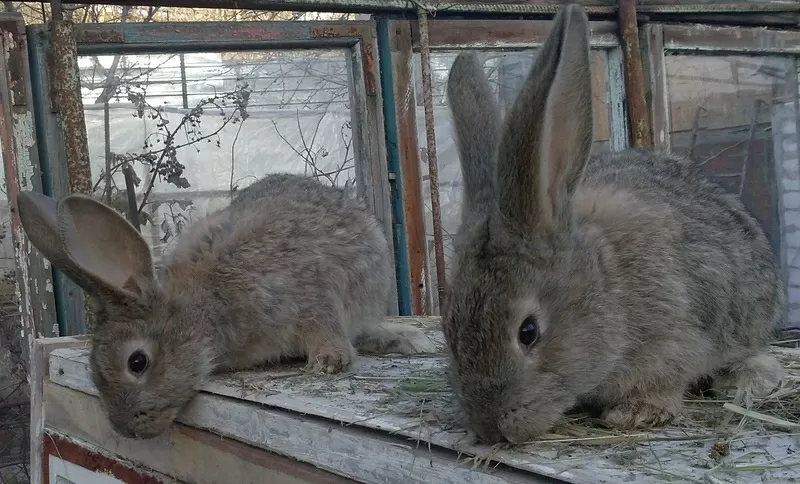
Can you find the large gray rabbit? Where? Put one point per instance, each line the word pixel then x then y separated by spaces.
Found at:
pixel 292 268
pixel 614 281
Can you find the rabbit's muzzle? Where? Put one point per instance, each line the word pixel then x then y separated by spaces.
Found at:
pixel 142 424
pixel 516 426
pixel 510 412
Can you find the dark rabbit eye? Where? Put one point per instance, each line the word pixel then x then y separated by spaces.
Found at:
pixel 138 362
pixel 529 331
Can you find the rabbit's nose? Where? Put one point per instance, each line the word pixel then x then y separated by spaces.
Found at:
pixel 491 435
pixel 124 430
pixel 486 429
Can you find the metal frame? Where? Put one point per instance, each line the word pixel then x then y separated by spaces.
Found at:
pixel 359 38
pixel 662 39
pixel 456 34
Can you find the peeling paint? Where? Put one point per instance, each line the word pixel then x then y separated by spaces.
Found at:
pixel 23 127
pixel 8 40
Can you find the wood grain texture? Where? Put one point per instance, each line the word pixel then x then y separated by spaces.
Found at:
pixel 372 426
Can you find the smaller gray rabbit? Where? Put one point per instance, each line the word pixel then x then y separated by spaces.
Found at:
pixel 291 268
pixel 612 281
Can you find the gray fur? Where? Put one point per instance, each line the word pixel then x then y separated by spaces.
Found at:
pixel 643 274
pixel 292 268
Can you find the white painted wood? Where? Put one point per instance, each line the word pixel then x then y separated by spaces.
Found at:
pixel 178 453
pixel 40 360
pixel 37 375
pixel 347 451
pixel 617 116
pixel 265 409
pixel 65 472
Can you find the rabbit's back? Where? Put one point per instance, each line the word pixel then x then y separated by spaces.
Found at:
pixel 287 248
pixel 720 255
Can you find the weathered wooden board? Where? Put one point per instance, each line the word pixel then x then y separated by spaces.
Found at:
pixel 404 404
pixel 184 453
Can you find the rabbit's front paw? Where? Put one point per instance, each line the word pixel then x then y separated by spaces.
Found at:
pixel 329 359
pixel 641 414
pixel 386 338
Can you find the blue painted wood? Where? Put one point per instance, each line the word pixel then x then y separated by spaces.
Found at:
pixel 402 269
pixel 69 298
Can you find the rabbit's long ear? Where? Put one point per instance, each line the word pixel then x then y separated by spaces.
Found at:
pixel 90 243
pixel 548 132
pixel 477 125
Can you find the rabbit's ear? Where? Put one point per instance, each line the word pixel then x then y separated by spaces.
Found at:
pixel 477 125
pixel 548 132
pixel 90 243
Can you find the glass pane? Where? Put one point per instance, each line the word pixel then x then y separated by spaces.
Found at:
pixel 735 115
pixel 198 126
pixel 506 72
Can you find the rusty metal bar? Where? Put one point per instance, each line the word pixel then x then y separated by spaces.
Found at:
pixel 433 167
pixel 66 86
pixel 449 33
pixel 638 116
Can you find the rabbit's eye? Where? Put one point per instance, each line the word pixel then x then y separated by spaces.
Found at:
pixel 138 362
pixel 529 331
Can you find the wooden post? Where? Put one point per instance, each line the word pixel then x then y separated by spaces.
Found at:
pixel 641 134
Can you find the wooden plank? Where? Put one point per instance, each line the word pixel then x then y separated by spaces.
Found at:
pixel 658 93
pixel 504 34
pixel 617 117
pixel 706 38
pixel 714 2
pixel 22 173
pixel 515 7
pixel 325 445
pixel 638 117
pixel 775 20
pixel 512 8
pixel 79 463
pixel 413 199
pixel 376 396
pixel 39 371
pixel 367 65
pixel 344 401
pixel 184 453
pixel 372 177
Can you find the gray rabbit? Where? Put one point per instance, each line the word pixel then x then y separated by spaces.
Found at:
pixel 614 281
pixel 291 268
